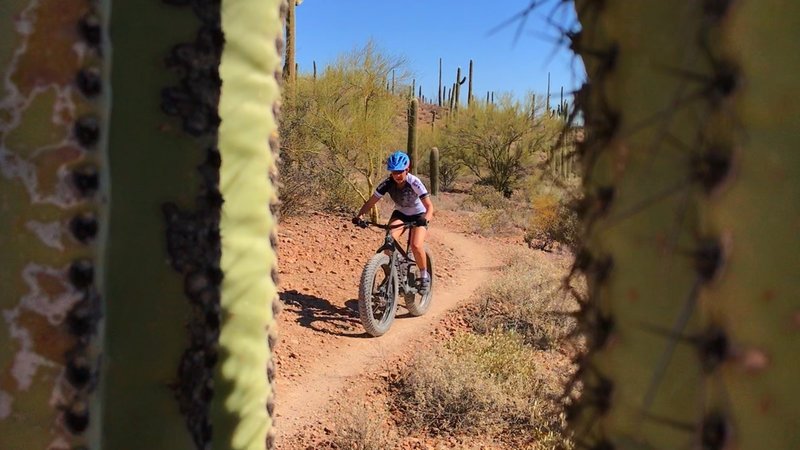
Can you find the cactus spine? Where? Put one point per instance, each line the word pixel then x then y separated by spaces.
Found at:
pixel 135 314
pixel 413 109
pixel 692 177
pixel 434 162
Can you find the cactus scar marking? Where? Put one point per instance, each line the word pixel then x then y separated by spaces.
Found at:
pixel 49 233
pixel 5 404
pixel 754 360
pixel 51 303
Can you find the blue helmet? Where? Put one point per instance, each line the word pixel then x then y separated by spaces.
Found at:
pixel 397 161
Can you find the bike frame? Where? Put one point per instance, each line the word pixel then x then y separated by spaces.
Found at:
pixel 391 245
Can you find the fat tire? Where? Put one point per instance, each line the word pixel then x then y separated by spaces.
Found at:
pixel 418 305
pixel 375 327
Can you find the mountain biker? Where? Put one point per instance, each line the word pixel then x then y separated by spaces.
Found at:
pixel 412 204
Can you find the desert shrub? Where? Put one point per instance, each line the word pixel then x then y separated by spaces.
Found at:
pixel 480 384
pixel 529 302
pixel 339 196
pixel 495 214
pixel 552 221
pixel 484 197
pixel 489 222
pixel 298 189
pixel 363 427
pixel 449 171
pixel 497 143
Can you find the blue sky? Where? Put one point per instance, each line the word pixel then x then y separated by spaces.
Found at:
pixel 422 31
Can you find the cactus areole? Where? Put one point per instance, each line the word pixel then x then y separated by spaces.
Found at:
pixel 137 173
pixel 692 185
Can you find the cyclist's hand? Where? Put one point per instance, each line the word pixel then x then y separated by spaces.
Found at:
pixel 421 222
pixel 357 221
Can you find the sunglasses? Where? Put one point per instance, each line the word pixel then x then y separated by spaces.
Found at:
pixel 398 172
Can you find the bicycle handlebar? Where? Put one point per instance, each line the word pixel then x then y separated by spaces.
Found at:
pixel 387 226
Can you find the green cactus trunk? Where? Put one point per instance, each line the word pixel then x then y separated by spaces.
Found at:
pixel 411 147
pixel 434 162
pixel 469 86
pixel 457 89
pixel 289 67
pixel 440 83
pixel 547 97
pixel 692 178
pixel 137 290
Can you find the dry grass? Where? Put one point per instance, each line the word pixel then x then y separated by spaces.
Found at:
pixel 527 301
pixel 490 385
pixel 504 380
pixel 364 427
pixel 494 214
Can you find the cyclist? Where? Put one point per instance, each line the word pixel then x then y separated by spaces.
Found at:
pixel 412 204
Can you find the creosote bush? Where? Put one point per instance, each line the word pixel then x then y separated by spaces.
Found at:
pixel 552 221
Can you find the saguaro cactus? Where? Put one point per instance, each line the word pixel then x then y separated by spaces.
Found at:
pixel 693 187
pixel 411 147
pixel 137 290
pixel 457 88
pixel 289 64
pixel 434 163
pixel 469 86
pixel 440 82
pixel 547 97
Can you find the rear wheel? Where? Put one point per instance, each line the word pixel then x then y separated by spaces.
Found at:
pixel 418 304
pixel 377 295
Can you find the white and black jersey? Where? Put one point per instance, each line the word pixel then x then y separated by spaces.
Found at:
pixel 407 198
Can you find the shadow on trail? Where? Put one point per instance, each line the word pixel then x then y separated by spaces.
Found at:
pixel 312 310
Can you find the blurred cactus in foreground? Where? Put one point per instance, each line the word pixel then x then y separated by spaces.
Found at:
pixel 134 234
pixel 692 207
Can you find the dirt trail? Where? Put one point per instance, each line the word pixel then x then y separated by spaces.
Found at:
pixel 348 358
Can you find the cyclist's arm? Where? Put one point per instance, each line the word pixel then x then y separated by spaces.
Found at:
pixel 368 205
pixel 428 204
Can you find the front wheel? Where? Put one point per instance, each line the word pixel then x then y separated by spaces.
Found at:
pixel 416 303
pixel 377 295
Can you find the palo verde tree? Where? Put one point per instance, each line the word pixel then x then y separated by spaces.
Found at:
pixel 355 120
pixel 498 142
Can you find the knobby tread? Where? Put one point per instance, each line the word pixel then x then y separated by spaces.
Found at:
pixel 373 326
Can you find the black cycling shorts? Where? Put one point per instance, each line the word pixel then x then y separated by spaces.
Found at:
pixel 405 217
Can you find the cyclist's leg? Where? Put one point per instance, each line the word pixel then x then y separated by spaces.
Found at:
pixel 396 219
pixel 417 237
